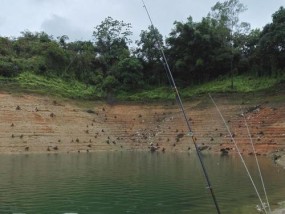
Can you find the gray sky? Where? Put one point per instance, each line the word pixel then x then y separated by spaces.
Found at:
pixel 77 18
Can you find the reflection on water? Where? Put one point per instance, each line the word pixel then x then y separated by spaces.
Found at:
pixel 131 182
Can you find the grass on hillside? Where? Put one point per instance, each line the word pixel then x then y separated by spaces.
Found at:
pixel 242 84
pixel 159 93
pixel 29 82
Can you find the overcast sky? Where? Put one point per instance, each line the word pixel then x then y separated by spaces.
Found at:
pixel 77 18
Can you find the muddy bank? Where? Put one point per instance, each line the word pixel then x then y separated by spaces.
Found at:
pixel 31 123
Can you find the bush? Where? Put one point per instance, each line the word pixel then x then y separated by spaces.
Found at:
pixel 129 73
pixel 8 69
pixel 110 83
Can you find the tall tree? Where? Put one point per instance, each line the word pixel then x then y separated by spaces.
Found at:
pixel 227 14
pixel 111 41
pixel 197 51
pixel 149 54
pixel 271 46
pixel 147 44
pixel 82 61
pixel 180 50
pixel 62 40
pixel 8 67
pixel 129 73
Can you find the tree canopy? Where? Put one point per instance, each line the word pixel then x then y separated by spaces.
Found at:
pixel 218 45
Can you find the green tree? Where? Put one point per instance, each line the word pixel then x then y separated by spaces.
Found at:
pixel 149 54
pixel 197 51
pixel 8 68
pixel 147 44
pixel 6 47
pixel 180 50
pixel 111 41
pixel 250 58
pixel 110 83
pixel 55 58
pixel 82 61
pixel 271 46
pixel 227 14
pixel 8 65
pixel 129 73
pixel 62 41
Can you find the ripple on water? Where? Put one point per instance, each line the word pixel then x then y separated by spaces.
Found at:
pixel 110 182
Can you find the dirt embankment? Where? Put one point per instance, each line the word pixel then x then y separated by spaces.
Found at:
pixel 31 123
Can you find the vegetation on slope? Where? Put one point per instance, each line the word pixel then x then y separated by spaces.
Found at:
pixel 31 83
pixel 218 54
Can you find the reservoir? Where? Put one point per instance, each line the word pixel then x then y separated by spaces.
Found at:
pixel 133 182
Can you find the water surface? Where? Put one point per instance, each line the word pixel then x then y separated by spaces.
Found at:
pixel 131 182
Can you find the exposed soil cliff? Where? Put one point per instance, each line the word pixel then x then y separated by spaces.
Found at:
pixel 30 123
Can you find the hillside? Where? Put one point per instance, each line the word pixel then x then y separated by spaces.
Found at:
pixel 33 123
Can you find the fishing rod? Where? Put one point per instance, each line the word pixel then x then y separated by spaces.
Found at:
pixel 263 208
pixel 256 159
pixel 180 103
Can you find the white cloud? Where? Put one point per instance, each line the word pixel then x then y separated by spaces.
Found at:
pixel 2 20
pixel 58 26
pixel 77 18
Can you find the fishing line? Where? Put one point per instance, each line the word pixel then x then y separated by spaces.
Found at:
pixel 256 159
pixel 172 82
pixel 239 153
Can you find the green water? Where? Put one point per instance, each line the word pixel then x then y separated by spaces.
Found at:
pixel 130 182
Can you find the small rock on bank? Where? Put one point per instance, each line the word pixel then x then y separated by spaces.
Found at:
pixel 279 211
pixel 281 162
